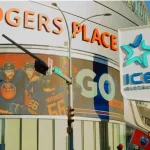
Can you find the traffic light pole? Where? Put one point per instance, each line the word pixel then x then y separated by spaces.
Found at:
pixel 42 67
pixel 69 127
pixel 70 102
pixel 40 62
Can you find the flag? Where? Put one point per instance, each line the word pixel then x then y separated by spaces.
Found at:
pixel 140 139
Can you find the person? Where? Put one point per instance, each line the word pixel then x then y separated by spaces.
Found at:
pixel 31 81
pixel 120 147
pixel 54 97
pixel 11 88
pixel 37 105
pixel 48 100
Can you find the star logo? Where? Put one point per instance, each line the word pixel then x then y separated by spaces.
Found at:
pixel 129 49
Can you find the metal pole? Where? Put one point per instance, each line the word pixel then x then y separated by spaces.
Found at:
pixel 22 48
pixel 70 102
pixel 70 140
pixel 70 40
pixel 70 60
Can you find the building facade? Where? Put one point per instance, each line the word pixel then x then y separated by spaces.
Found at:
pixel 40 27
pixel 140 9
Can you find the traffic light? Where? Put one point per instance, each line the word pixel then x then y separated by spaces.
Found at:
pixel 41 67
pixel 148 134
pixel 70 120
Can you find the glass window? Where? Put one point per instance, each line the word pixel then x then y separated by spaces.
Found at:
pixel 111 134
pixel 146 17
pixel 77 135
pixel 141 9
pixel 60 134
pixel 29 134
pixel 2 130
pixel 103 137
pixel 116 132
pixel 46 132
pixel 97 136
pixel 12 134
pixel 136 7
pixel 133 5
pixel 88 135
pixel 123 134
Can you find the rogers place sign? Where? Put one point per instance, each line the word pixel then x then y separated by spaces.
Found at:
pixel 45 23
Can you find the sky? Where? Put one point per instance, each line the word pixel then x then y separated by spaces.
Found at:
pixel 148 4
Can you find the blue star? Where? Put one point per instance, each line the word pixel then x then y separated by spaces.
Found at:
pixel 142 59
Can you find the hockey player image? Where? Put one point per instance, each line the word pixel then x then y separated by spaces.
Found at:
pixel 11 88
pixel 37 105
pixel 31 82
pixel 55 98
pixel 48 101
pixel 30 71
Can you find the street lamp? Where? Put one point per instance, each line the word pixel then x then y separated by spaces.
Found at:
pixel 70 39
pixel 70 61
pixel 70 142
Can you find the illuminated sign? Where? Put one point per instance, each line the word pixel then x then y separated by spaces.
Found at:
pixel 29 18
pixel 142 59
pixel 33 21
pixel 96 36
pixel 144 78
pixel 134 47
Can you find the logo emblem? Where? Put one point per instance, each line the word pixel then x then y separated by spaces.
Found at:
pixel 131 57
pixel 8 91
pixel 144 140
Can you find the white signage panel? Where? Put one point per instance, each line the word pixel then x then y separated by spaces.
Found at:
pixel 134 50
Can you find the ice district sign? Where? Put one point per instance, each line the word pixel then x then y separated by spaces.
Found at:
pixel 134 50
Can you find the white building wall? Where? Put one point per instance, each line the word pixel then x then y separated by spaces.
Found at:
pixel 121 17
pixel 50 134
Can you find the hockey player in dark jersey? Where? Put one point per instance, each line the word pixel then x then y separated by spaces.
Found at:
pixel 47 101
pixel 31 82
pixel 55 98
pixel 11 89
